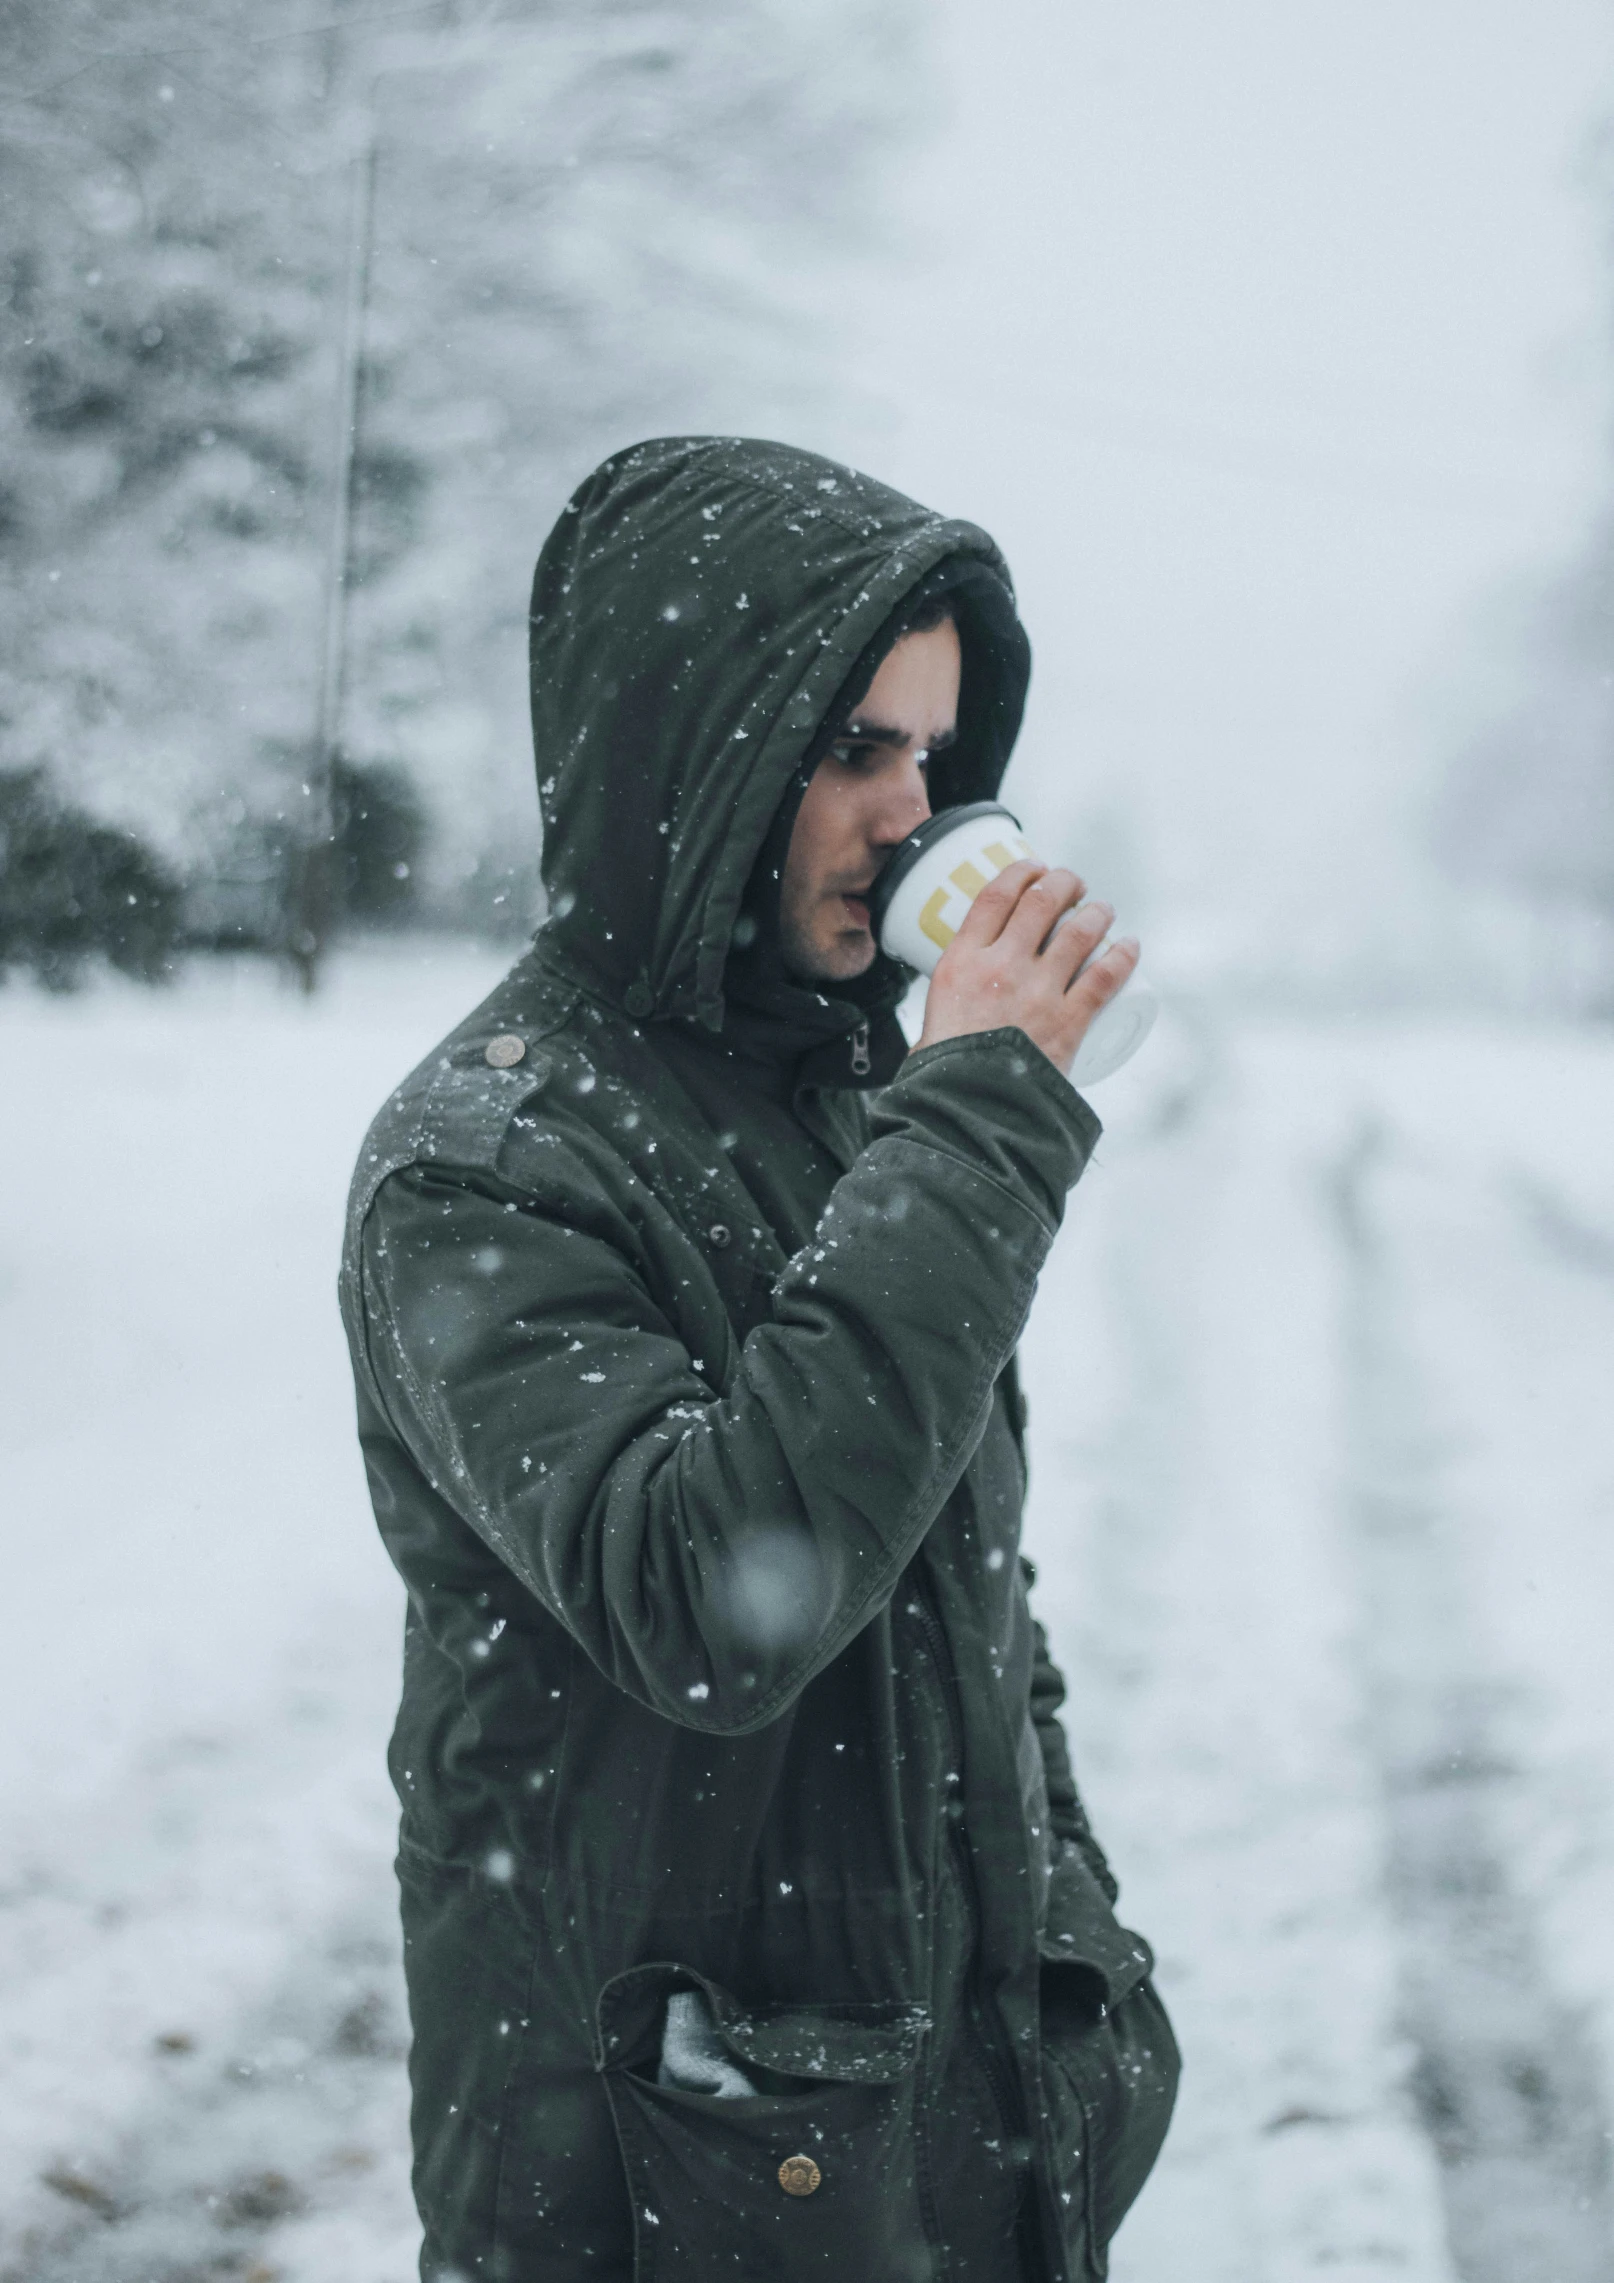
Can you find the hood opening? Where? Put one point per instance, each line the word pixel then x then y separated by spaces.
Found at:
pixel 704 614
pixel 969 770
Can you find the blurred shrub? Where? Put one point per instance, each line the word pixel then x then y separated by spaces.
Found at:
pixel 73 889
pixel 1526 812
pixel 379 830
pixel 235 898
pixel 243 883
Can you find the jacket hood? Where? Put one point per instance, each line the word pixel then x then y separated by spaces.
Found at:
pixel 702 607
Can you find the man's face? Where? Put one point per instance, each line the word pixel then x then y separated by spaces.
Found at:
pixel 867 794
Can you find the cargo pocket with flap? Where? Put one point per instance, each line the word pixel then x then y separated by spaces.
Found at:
pixel 813 2177
pixel 1109 2064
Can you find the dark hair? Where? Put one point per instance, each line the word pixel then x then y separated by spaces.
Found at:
pixel 926 616
pixel 919 615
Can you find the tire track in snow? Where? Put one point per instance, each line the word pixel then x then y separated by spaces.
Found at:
pixel 1183 1373
pixel 1508 2078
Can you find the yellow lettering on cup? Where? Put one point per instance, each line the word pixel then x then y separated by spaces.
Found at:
pixel 931 922
pixel 999 854
pixel 967 877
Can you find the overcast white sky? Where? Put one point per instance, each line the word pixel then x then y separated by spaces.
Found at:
pixel 1271 340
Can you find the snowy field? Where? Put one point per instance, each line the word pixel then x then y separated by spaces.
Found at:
pixel 1324 1488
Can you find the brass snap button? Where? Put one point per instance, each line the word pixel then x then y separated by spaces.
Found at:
pixel 505 1051
pixel 799 2175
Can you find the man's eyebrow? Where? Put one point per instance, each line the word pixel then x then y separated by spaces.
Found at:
pixel 887 733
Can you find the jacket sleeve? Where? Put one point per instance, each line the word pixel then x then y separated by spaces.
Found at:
pixel 712 1548
pixel 1066 1815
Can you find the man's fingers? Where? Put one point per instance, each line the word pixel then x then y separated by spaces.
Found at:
pixel 999 901
pixel 1075 938
pixel 1024 958
pixel 1039 909
pixel 1098 984
pixel 984 922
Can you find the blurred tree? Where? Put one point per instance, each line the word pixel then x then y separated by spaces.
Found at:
pixel 1527 807
pixel 590 223
pixel 378 831
pixel 159 386
pixel 72 889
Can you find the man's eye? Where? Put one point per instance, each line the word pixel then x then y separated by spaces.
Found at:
pixel 852 755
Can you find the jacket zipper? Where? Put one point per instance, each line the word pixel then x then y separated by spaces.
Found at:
pixel 1000 2074
pixel 861 1064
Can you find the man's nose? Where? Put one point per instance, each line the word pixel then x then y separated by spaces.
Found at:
pixel 906 806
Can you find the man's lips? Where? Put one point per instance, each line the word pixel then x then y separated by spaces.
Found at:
pixel 856 901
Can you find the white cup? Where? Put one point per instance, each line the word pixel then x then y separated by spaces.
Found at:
pixel 921 897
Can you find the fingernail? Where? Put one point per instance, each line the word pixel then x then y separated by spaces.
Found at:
pixel 1125 943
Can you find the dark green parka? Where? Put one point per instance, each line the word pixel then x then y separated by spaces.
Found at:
pixel 686 1390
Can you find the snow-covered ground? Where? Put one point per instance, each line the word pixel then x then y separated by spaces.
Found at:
pixel 199 2018
pixel 1323 1484
pixel 1324 1479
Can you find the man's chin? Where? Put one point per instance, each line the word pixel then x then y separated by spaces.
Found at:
pixel 842 958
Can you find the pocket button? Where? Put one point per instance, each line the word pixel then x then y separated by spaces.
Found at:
pixel 799 2175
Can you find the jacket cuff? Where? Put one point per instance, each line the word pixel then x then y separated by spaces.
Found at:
pixel 994 1100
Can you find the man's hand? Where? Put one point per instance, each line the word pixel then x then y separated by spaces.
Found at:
pixel 1006 966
